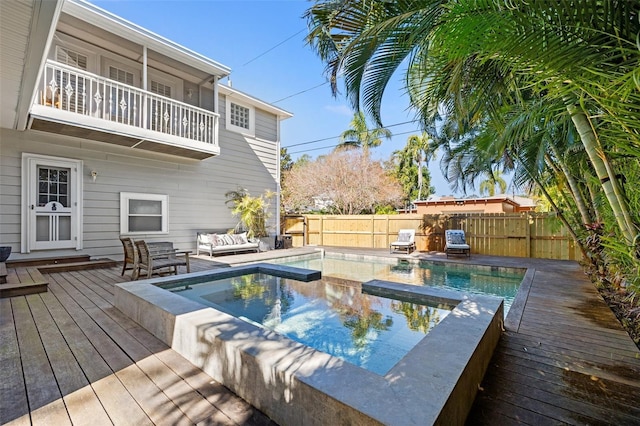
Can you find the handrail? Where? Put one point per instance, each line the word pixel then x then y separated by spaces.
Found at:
pixel 81 92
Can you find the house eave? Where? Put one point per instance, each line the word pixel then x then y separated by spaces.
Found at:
pixel 229 91
pixel 119 26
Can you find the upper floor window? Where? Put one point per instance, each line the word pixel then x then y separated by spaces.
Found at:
pixel 240 118
pixel 160 89
pixel 120 75
pixel 71 58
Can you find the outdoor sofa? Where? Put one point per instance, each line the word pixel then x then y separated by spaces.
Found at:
pixel 216 243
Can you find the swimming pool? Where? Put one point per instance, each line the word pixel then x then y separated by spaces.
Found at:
pixel 337 318
pixel 295 384
pixel 475 279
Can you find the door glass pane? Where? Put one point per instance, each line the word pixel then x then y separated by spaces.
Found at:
pixel 53 185
pixel 64 228
pixel 145 207
pixel 42 228
pixel 145 224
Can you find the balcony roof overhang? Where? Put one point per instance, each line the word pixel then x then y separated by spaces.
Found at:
pixel 107 21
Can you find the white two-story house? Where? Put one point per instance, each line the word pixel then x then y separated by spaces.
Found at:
pixel 108 129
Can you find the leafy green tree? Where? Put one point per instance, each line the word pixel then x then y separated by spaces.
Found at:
pixel 286 163
pixel 410 167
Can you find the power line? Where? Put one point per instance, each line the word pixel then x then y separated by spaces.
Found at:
pixel 301 92
pixel 333 137
pixel 269 50
pixel 333 146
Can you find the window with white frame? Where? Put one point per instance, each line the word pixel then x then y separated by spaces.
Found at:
pixel 240 118
pixel 143 213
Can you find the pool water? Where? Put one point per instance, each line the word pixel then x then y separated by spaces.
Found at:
pixel 333 317
pixel 457 277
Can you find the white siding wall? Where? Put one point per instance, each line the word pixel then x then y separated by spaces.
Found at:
pixel 195 188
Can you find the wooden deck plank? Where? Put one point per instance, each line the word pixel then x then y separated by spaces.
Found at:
pixel 232 406
pixel 585 385
pixel 115 358
pixel 110 318
pixel 45 400
pixel 569 361
pixel 13 392
pixel 158 407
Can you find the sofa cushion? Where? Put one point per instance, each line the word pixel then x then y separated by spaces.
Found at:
pixel 225 239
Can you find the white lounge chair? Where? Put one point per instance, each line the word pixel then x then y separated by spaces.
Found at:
pixel 406 241
pixel 456 243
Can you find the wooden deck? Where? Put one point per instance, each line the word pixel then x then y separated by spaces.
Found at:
pixel 69 357
pixel 567 361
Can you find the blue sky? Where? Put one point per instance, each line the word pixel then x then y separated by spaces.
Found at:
pixel 262 41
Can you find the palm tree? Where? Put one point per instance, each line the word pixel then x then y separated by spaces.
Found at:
pixel 360 136
pixel 488 185
pixel 421 152
pixel 473 58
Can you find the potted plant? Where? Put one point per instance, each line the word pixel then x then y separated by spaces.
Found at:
pixel 5 252
pixel 252 213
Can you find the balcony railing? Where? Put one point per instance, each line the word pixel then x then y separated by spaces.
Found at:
pixel 70 89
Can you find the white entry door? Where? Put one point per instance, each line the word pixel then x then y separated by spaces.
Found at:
pixel 52 191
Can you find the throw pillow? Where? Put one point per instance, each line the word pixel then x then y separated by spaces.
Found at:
pixel 225 240
pixel 208 239
pixel 237 239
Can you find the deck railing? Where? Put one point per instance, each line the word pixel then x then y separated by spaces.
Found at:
pixel 80 92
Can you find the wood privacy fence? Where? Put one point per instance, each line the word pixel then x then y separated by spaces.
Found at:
pixel 536 235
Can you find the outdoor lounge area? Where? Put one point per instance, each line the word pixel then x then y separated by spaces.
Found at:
pixel 70 352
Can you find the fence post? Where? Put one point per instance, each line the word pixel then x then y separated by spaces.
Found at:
pixel 528 234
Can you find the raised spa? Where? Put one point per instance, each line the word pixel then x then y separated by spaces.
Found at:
pixel 332 316
pixel 435 381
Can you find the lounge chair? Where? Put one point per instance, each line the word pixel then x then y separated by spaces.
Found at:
pixel 130 254
pixel 160 258
pixel 406 241
pixel 456 243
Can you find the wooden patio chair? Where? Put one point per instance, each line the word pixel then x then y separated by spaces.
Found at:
pixel 130 255
pixel 456 243
pixel 406 241
pixel 160 258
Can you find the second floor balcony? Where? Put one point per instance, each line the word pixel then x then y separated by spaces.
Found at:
pixel 74 102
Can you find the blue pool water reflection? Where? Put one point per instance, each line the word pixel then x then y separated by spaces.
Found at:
pixel 333 317
pixel 465 278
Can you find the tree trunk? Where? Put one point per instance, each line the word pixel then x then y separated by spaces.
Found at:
pixel 585 214
pixel 603 170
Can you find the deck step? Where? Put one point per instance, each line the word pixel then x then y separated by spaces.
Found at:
pixel 78 266
pixel 23 263
pixel 22 280
pixel 3 273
